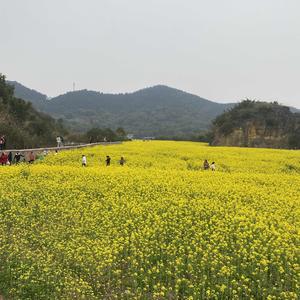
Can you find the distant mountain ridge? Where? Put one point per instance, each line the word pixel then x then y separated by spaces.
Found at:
pixel 36 98
pixel 157 111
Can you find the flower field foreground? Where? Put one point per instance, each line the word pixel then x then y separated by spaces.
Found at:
pixel 158 228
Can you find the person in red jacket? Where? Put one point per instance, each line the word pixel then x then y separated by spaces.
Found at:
pixel 3 159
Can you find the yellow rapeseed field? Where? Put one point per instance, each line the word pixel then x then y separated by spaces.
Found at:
pixel 159 227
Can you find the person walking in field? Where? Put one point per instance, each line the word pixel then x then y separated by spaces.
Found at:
pixel 31 157
pixel 17 157
pixel 206 165
pixel 4 141
pixel 213 166
pixel 108 159
pixel 1 143
pixel 3 159
pixel 10 158
pixel 59 141
pixel 84 161
pixel 122 161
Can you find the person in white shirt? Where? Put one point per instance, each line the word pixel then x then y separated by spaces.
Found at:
pixel 83 160
pixel 59 141
pixel 213 166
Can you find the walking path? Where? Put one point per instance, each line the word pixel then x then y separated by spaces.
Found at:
pixel 62 148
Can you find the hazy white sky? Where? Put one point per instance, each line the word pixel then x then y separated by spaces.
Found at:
pixel 223 50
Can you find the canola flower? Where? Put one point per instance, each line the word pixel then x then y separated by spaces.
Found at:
pixel 157 228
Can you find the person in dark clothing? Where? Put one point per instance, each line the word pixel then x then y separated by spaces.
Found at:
pixel 17 157
pixel 2 142
pixel 122 161
pixel 206 165
pixel 108 160
pixel 10 157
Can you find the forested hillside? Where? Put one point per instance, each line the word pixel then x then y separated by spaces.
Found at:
pixel 23 126
pixel 157 111
pixel 36 98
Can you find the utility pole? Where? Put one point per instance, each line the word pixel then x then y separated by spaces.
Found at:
pixel 73 86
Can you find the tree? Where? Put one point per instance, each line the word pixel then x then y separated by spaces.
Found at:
pixel 22 125
pixel 121 134
pixel 95 135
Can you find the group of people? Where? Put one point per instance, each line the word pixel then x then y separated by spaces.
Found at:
pixel 207 165
pixel 18 157
pixel 107 161
pixel 9 159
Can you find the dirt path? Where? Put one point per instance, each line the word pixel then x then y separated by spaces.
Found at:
pixel 38 150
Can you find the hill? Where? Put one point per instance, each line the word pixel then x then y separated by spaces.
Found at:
pixel 36 98
pixel 258 124
pixel 156 111
pixel 23 126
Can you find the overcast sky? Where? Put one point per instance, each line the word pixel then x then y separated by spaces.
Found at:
pixel 222 50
